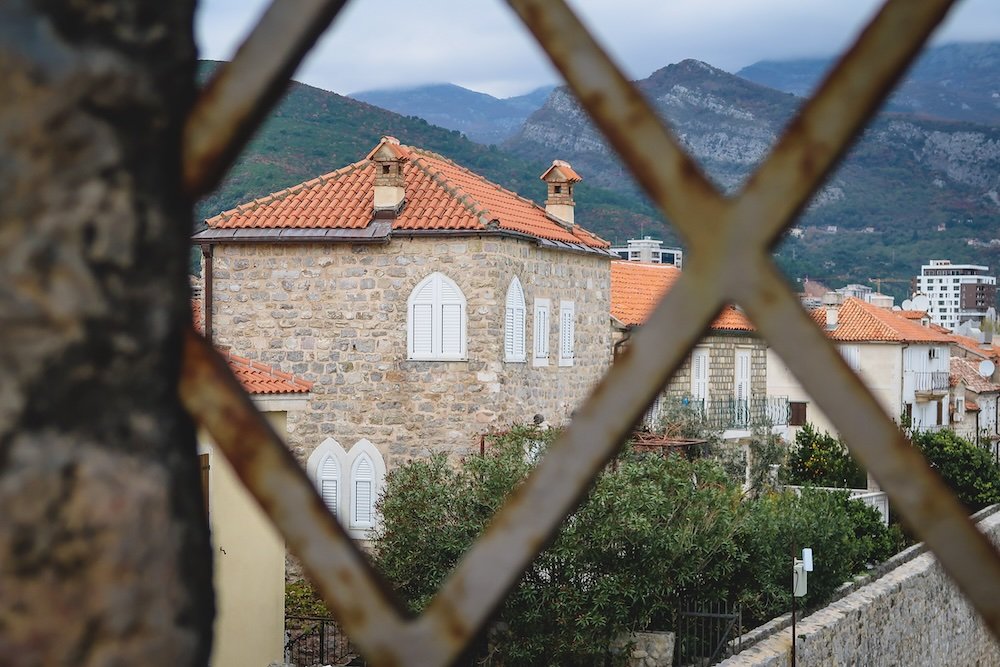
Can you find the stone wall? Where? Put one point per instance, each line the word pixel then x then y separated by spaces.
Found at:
pixel 336 314
pixel 912 614
pixel 722 367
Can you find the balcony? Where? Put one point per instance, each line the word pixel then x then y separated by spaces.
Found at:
pixel 727 413
pixel 930 385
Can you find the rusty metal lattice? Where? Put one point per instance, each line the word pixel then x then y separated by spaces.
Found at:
pixel 729 240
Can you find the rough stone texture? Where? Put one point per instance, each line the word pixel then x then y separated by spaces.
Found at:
pixel 335 314
pixel 651 649
pixel 104 554
pixel 911 615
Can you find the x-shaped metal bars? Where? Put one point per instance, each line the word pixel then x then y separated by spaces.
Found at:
pixel 729 241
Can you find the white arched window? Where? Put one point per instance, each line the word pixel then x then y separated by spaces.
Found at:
pixel 436 319
pixel 349 483
pixel 324 469
pixel 513 323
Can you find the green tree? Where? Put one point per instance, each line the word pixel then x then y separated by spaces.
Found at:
pixel 652 530
pixel 969 470
pixel 821 460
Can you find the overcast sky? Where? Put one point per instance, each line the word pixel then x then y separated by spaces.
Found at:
pixel 480 44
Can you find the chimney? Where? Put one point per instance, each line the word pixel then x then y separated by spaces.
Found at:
pixel 390 189
pixel 560 178
pixel 832 301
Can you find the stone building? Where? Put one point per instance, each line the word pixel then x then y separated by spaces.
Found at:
pixel 724 377
pixel 426 304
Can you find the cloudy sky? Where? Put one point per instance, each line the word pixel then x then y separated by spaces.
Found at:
pixel 480 44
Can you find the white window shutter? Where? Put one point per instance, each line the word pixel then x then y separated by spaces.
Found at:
pixel 541 332
pixel 451 330
pixel 514 323
pixel 742 375
pixel 363 501
pixel 567 332
pixel 437 320
pixel 699 374
pixel 852 355
pixel 422 334
pixel 329 483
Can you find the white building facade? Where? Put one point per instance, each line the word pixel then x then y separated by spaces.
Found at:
pixel 957 292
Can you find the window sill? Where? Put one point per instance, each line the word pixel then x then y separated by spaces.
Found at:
pixel 540 361
pixel 566 362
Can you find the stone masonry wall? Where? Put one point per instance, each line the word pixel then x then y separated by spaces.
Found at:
pixel 913 615
pixel 722 367
pixel 336 314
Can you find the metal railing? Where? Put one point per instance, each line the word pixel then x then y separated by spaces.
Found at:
pixel 730 237
pixel 727 413
pixel 317 640
pixel 927 381
pixel 707 632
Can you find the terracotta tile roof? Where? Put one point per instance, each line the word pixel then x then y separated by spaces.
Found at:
pixel 859 321
pixel 562 169
pixel 814 288
pixel 258 378
pixel 912 314
pixel 988 351
pixel 967 372
pixel 636 288
pixel 440 195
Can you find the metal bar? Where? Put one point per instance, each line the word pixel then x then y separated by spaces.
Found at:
pixel 241 93
pixel 929 507
pixel 664 170
pixel 341 573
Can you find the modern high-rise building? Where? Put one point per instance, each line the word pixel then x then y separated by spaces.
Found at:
pixel 957 292
pixel 648 250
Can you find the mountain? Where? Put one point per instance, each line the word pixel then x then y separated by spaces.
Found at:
pixel 313 132
pixel 903 179
pixel 951 82
pixel 483 118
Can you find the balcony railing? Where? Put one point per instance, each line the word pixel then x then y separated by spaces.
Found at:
pixel 726 413
pixel 930 381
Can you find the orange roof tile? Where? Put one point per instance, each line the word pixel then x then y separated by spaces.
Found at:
pixel 859 321
pixel 258 378
pixel 968 372
pixel 912 314
pixel 987 350
pixel 440 195
pixel 636 288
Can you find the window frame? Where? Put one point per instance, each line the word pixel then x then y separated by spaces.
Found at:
pixel 567 324
pixel 542 331
pixel 515 332
pixel 437 302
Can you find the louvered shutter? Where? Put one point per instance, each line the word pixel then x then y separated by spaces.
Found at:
pixel 451 330
pixel 329 482
pixel 852 355
pixel 541 330
pixel 567 332
pixel 699 375
pixel 364 496
pixel 437 320
pixel 742 375
pixel 513 329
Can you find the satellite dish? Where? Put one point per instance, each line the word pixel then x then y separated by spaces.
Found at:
pixel 986 368
pixel 920 302
pixel 907 305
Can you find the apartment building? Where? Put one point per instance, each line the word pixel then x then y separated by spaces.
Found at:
pixel 957 292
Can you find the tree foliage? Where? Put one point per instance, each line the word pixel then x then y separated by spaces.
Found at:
pixel 819 459
pixel 653 531
pixel 969 470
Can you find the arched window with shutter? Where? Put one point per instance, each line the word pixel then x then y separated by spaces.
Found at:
pixel 513 324
pixel 367 470
pixel 325 468
pixel 436 320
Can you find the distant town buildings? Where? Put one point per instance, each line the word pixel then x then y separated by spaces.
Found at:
pixel 648 250
pixel 957 292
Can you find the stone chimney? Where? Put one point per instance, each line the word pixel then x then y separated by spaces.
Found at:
pixel 560 178
pixel 832 301
pixel 390 189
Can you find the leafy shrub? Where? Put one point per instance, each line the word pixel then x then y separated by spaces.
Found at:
pixel 969 470
pixel 650 530
pixel 301 599
pixel 822 460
